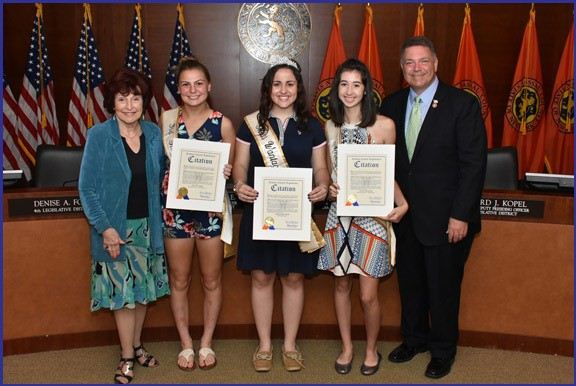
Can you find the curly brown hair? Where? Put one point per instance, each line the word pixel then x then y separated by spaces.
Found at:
pixel 126 81
pixel 300 106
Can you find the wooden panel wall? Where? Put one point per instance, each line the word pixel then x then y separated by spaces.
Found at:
pixel 518 290
pixel 212 30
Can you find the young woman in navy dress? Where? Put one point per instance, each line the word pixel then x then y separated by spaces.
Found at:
pixel 283 106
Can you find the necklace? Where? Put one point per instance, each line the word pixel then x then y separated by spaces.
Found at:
pixel 134 134
pixel 351 124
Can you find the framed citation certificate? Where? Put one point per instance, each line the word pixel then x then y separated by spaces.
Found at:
pixel 282 210
pixel 366 178
pixel 196 175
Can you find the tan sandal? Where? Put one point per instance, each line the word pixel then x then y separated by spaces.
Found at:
pixel 188 354
pixel 203 354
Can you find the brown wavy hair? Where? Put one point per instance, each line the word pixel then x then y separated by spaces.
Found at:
pixel 126 81
pixel 300 105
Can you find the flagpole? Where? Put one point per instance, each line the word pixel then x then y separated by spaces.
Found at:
pixel 567 125
pixel 527 65
pixel 87 19
pixel 139 17
pixel 180 10
pixel 85 25
pixel 43 122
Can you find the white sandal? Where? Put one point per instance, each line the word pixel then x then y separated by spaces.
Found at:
pixel 204 352
pixel 187 354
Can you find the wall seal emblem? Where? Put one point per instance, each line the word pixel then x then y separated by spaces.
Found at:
pixel 270 31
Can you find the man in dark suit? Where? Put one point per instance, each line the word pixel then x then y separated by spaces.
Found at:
pixel 440 167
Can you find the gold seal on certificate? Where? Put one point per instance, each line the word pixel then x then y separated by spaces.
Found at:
pixel 196 175
pixel 282 210
pixel 366 179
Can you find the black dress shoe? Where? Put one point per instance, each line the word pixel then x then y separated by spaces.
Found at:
pixel 371 370
pixel 343 368
pixel 404 353
pixel 439 367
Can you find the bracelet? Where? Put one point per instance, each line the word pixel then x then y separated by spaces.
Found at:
pixel 236 186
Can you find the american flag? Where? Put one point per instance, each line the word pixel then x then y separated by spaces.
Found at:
pixel 137 59
pixel 86 100
pixel 37 122
pixel 180 48
pixel 11 150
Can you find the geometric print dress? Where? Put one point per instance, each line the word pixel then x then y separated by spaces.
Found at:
pixel 354 245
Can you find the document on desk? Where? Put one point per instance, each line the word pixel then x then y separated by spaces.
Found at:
pixel 196 175
pixel 366 179
pixel 282 210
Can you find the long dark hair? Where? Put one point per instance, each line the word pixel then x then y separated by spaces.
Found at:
pixel 300 107
pixel 335 105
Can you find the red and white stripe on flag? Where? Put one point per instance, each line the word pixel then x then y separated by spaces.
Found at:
pixel 86 106
pixel 37 122
pixel 12 159
pixel 137 59
pixel 180 48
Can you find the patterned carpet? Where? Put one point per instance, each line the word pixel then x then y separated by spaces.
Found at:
pixel 473 365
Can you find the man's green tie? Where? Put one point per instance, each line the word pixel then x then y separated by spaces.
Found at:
pixel 413 129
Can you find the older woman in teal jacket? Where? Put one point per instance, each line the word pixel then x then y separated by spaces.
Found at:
pixel 120 192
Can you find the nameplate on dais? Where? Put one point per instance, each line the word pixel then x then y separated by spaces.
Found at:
pixel 506 208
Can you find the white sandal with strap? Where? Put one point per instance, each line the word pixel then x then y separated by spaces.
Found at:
pixel 204 352
pixel 187 354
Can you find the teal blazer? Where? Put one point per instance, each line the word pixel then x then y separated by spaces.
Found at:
pixel 105 180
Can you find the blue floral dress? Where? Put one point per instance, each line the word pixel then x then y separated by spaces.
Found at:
pixel 180 223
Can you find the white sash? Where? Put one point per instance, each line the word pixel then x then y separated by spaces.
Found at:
pixel 273 156
pixel 169 125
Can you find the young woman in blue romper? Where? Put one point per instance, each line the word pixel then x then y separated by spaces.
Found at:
pixel 188 231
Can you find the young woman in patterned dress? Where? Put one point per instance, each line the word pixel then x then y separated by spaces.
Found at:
pixel 357 245
pixel 119 189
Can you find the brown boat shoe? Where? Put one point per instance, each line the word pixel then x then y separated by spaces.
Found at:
pixel 293 360
pixel 262 360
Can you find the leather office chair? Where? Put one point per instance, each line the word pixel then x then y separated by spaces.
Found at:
pixel 57 166
pixel 502 169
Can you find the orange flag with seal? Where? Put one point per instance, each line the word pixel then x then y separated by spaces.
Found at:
pixel 559 144
pixel 369 54
pixel 524 118
pixel 335 55
pixel 468 74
